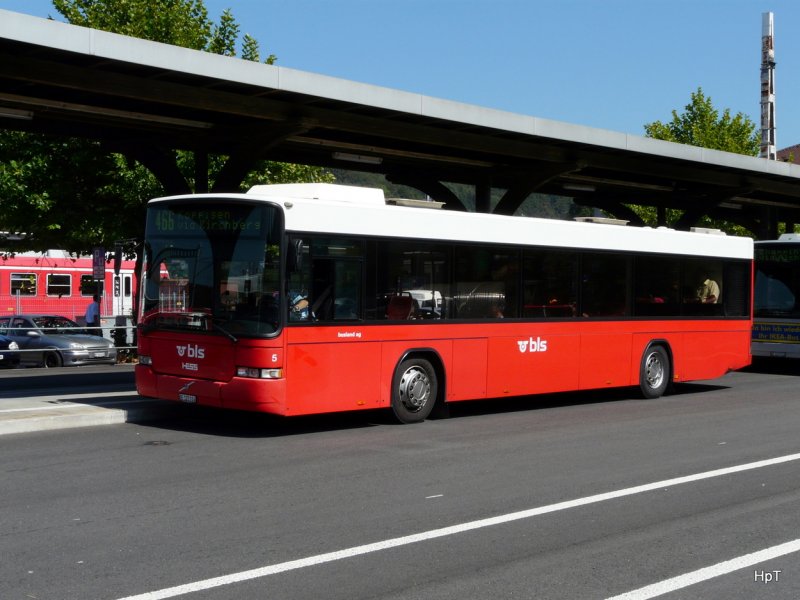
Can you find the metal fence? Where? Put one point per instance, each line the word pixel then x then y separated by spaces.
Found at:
pixel 72 307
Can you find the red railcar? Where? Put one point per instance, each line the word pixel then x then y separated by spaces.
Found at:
pixel 54 282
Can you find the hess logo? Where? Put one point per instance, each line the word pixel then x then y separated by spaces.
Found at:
pixel 191 351
pixel 532 345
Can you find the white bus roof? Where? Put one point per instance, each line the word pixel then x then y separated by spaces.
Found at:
pixel 349 210
pixel 321 191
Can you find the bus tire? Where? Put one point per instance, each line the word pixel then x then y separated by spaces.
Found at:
pixel 414 389
pixel 654 372
pixel 53 360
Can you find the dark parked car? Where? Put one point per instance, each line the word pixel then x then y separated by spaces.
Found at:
pixel 9 357
pixel 55 341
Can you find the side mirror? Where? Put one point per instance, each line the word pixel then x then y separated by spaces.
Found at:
pixel 294 257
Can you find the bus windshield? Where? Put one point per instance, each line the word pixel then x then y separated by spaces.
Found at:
pixel 212 266
pixel 777 287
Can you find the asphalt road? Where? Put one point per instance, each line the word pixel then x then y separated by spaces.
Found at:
pixel 535 498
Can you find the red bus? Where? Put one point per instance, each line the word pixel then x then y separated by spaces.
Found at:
pixel 310 298
pixel 59 283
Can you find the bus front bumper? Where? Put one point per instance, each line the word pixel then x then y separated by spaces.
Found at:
pixel 239 393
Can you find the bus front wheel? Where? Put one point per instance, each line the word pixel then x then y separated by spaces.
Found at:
pixel 654 372
pixel 414 389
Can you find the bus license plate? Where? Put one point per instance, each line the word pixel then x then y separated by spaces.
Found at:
pixel 188 398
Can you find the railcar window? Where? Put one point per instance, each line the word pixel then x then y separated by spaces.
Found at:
pixel 23 284
pixel 59 285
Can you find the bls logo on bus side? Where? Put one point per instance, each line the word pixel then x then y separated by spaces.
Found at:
pixel 191 351
pixel 532 345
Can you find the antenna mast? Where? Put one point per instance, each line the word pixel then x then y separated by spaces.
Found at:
pixel 767 87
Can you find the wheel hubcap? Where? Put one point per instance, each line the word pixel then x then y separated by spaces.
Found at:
pixel 415 388
pixel 654 371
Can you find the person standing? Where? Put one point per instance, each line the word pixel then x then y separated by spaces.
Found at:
pixel 92 315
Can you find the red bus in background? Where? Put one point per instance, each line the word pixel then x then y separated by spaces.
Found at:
pixel 312 298
pixel 58 283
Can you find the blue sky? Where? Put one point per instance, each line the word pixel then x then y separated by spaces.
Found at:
pixel 612 64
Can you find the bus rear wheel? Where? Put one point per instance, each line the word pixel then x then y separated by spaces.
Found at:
pixel 414 388
pixel 654 372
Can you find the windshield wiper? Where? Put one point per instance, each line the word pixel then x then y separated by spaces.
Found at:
pixel 221 329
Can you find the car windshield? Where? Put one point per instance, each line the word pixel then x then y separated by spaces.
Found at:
pixel 56 325
pixel 212 266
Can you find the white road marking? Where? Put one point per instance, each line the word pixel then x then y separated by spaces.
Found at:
pixel 319 559
pixel 723 568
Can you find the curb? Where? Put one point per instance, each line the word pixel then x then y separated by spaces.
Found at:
pixel 65 414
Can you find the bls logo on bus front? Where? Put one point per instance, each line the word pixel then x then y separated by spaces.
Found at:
pixel 532 345
pixel 191 351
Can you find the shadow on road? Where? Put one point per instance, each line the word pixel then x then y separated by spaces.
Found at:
pixel 228 423
pixel 774 366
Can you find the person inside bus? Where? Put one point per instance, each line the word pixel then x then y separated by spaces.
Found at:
pixel 298 306
pixel 92 315
pixel 708 292
pixel 496 310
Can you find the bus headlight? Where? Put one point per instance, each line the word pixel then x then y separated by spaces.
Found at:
pixel 145 360
pixel 256 373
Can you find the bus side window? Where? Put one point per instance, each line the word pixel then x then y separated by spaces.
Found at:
pixel 327 281
pixel 703 287
pixel 336 290
pixel 604 278
pixel 656 286
pixel 420 270
pixel 348 290
pixel 299 280
pixel 322 290
pixel 550 283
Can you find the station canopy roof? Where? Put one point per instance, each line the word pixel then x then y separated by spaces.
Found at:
pixel 136 95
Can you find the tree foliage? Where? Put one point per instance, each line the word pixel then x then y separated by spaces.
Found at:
pixel 72 193
pixel 178 22
pixel 68 193
pixel 701 124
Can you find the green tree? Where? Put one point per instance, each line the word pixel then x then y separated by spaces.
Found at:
pixel 702 125
pixel 67 193
pixel 72 193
